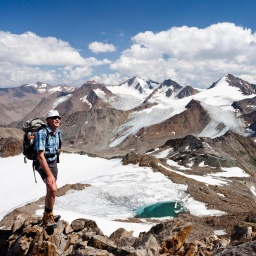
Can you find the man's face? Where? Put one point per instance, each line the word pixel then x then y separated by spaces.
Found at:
pixel 54 121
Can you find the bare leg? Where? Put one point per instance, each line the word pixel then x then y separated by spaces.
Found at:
pixel 51 192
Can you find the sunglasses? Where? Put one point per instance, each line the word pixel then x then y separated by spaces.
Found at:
pixel 55 117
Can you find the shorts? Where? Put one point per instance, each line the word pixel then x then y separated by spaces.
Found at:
pixel 53 167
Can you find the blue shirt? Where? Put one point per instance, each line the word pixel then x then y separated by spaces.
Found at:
pixel 53 143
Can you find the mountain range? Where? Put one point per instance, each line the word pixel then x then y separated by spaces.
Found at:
pixel 135 115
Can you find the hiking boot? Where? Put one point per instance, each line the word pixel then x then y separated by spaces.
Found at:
pixel 57 218
pixel 48 220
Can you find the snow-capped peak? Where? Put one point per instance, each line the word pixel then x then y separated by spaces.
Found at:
pixel 140 84
pixel 232 81
pixel 44 87
pixel 132 93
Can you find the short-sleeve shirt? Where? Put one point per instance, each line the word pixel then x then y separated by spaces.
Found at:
pixel 51 145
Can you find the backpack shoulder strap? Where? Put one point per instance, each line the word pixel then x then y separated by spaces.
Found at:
pixel 60 142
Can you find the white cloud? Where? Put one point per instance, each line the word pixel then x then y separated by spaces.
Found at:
pixel 187 55
pixel 27 58
pixel 222 40
pixel 74 73
pixel 13 74
pixel 110 79
pixel 190 55
pixel 97 47
pixel 30 49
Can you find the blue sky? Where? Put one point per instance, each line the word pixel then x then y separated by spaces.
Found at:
pixel 72 41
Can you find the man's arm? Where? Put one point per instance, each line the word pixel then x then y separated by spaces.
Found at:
pixel 41 158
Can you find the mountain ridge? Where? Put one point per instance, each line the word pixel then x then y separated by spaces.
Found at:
pixel 151 112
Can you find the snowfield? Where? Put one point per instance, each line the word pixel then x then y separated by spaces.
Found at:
pixel 116 190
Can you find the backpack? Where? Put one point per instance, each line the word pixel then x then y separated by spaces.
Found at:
pixel 30 127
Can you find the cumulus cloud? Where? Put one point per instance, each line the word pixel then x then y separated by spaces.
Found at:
pixel 14 75
pixel 188 55
pixel 27 57
pixel 110 79
pixel 30 49
pixel 191 55
pixel 97 47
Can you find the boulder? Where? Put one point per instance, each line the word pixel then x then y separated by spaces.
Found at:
pixel 83 237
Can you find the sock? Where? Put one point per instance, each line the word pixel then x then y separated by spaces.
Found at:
pixel 47 210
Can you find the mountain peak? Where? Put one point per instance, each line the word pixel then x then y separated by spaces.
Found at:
pixel 245 87
pixel 140 84
pixel 171 83
pixel 38 85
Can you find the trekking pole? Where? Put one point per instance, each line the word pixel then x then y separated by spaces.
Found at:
pixel 58 157
pixel 34 171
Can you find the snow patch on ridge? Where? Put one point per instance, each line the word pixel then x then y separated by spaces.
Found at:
pixel 60 100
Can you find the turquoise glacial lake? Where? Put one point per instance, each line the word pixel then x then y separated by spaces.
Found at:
pixel 161 209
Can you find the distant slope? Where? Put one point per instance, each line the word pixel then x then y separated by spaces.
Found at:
pixel 18 103
pixel 139 114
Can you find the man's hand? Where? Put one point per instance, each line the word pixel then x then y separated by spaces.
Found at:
pixel 49 180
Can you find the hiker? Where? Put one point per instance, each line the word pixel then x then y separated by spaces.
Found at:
pixel 47 147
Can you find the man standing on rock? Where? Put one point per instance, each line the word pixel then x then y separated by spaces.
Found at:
pixel 47 146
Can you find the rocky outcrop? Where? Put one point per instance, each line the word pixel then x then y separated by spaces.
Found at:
pixel 186 92
pixel 10 141
pixel 141 160
pixel 27 237
pixel 243 239
pixel 247 110
pixel 229 150
pixel 83 237
pixel 245 106
pixel 10 147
